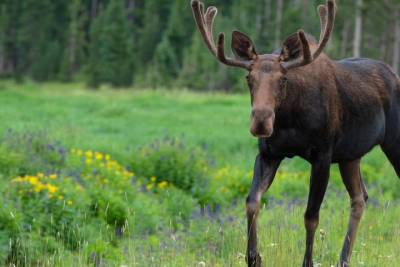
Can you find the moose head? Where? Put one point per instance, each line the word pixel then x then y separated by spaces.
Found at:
pixel 267 73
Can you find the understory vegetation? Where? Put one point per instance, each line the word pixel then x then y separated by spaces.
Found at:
pixel 149 178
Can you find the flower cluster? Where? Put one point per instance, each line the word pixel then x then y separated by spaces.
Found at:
pixel 101 167
pixel 232 180
pixel 37 184
pixel 156 185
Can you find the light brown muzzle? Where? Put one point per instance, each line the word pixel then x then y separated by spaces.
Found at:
pixel 262 122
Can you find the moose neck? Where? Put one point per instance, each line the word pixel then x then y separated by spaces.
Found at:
pixel 311 89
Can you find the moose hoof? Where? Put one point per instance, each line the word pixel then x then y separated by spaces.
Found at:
pixel 254 260
pixel 308 264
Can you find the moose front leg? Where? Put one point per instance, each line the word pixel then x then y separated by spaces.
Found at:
pixel 318 183
pixel 264 173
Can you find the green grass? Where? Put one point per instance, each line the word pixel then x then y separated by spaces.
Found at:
pixel 116 121
pixel 119 122
pixel 281 241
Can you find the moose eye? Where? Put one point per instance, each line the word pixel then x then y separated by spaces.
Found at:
pixel 284 81
pixel 248 78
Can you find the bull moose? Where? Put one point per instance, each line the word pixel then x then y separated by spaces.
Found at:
pixel 324 111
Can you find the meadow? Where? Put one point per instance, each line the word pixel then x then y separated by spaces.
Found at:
pixel 159 178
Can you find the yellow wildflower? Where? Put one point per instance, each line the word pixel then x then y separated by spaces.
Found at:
pixel 39 187
pixel 149 187
pixel 69 202
pixel 19 179
pixel 53 176
pixel 51 188
pixel 98 156
pixel 162 185
pixel 153 179
pixel 40 175
pixel 127 174
pixel 89 154
pixel 33 180
pixel 88 161
pixel 60 197
pixel 108 157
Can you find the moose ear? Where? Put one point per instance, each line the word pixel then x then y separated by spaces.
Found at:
pixel 291 48
pixel 242 46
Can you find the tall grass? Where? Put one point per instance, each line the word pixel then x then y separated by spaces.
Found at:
pixel 167 226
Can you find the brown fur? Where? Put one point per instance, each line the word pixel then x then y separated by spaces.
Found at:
pixel 305 104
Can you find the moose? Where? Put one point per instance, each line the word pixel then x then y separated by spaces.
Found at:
pixel 305 104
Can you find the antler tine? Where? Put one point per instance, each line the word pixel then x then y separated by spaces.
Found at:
pixel 198 13
pixel 322 15
pixel 327 30
pixel 327 17
pixel 205 23
pixel 211 13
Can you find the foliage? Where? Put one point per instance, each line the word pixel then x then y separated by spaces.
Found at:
pixel 172 161
pixel 111 48
pixel 155 42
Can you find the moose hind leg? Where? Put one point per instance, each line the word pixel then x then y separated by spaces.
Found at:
pixel 351 176
pixel 392 152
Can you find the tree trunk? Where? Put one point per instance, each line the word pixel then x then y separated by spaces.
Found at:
pixel 93 12
pixel 358 30
pixel 384 43
pixel 305 14
pixel 345 39
pixel 131 10
pixel 266 23
pixel 396 47
pixel 278 26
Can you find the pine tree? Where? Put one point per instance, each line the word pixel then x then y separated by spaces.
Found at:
pixel 96 61
pixel 74 53
pixel 111 48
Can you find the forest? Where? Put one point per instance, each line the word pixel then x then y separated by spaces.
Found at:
pixel 155 43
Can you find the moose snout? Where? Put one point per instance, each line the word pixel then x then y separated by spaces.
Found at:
pixel 262 122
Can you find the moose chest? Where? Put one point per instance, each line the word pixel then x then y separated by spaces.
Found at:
pixel 287 143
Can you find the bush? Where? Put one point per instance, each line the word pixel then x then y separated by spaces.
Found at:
pixel 179 206
pixel 231 183
pixel 172 161
pixel 30 153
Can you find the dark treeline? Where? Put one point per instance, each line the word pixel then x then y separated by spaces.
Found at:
pixel 150 43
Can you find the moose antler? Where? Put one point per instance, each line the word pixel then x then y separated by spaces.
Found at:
pixel 205 24
pixel 327 15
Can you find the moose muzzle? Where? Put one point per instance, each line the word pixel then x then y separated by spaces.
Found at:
pixel 262 122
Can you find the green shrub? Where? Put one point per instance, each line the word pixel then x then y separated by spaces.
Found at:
pixel 148 216
pixel 10 161
pixel 230 184
pixel 178 205
pixel 31 153
pixel 111 208
pixel 172 161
